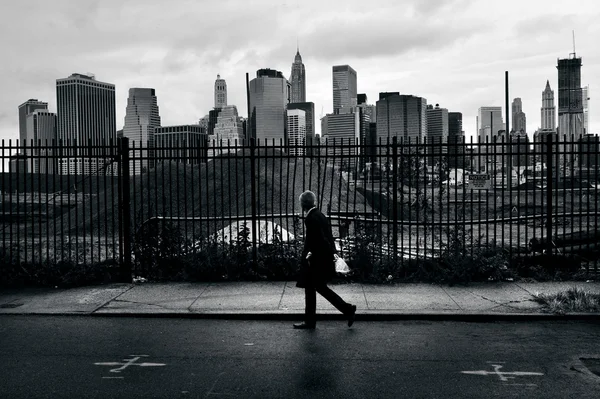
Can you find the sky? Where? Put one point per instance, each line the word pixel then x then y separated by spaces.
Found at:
pixel 451 52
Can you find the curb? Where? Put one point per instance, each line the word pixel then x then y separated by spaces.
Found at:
pixel 365 316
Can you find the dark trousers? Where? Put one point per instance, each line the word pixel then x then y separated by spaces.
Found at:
pixel 310 294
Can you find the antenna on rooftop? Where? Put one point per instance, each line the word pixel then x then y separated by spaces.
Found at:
pixel 574 52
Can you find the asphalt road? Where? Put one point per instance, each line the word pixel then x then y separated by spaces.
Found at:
pixel 81 357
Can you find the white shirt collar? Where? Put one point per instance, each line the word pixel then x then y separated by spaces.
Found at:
pixel 314 207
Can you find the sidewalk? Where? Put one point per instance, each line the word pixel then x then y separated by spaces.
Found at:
pixel 283 301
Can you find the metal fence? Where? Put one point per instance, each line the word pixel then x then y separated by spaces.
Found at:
pixel 412 200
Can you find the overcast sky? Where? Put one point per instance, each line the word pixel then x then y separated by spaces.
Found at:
pixel 452 52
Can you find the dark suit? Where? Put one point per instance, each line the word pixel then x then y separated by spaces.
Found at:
pixel 319 269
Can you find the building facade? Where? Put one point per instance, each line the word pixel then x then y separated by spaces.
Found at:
pixel 309 109
pixel 41 131
pixel 489 123
pixel 269 95
pixel 401 116
pixel 298 80
pixel 456 141
pixel 220 92
pixel 344 136
pixel 141 118
pixel 296 128
pixel 519 119
pixel 548 109
pixel 344 87
pixel 437 133
pixel 25 109
pixel 586 110
pixel 186 144
pixel 570 98
pixel 86 118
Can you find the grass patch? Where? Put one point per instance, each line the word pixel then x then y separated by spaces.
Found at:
pixel 573 300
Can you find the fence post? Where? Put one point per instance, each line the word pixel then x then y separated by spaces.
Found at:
pixel 125 210
pixel 395 197
pixel 549 177
pixel 253 197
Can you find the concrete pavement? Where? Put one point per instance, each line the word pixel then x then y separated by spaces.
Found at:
pixel 282 300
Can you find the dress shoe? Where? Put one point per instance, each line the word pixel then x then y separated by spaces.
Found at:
pixel 304 326
pixel 352 315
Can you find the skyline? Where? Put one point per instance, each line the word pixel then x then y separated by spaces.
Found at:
pixel 435 60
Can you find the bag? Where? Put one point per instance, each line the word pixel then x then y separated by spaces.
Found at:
pixel 341 267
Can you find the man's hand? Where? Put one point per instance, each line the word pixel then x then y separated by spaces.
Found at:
pixel 308 255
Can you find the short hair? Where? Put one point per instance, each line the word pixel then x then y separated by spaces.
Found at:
pixel 308 199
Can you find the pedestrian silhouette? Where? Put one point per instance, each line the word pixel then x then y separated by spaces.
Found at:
pixel 317 266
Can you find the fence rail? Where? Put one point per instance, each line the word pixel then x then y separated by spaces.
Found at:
pixel 64 203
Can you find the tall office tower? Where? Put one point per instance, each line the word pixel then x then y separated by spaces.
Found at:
pixel 309 110
pixel 296 128
pixel 269 95
pixel 570 99
pixel 220 92
pixel 519 120
pixel 25 109
pixel 298 80
pixel 586 110
pixel 437 133
pixel 141 118
pixel 402 116
pixel 86 117
pixel 548 109
pixel 41 129
pixel 456 141
pixel 489 123
pixel 185 144
pixel 344 87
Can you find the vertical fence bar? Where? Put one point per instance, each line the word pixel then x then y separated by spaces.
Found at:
pixel 125 210
pixel 549 176
pixel 395 198
pixel 253 197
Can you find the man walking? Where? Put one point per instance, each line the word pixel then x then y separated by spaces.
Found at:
pixel 317 265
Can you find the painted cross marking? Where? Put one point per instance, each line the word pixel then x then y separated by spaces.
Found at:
pixel 129 362
pixel 502 375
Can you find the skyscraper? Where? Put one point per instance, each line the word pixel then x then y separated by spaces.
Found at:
pixel 344 87
pixel 298 80
pixel 25 109
pixel 402 116
pixel 343 133
pixel 570 99
pixel 296 127
pixel 489 123
pixel 41 129
pixel 269 95
pixel 437 132
pixel 456 148
pixel 309 109
pixel 548 109
pixel 220 92
pixel 519 120
pixel 86 116
pixel 141 118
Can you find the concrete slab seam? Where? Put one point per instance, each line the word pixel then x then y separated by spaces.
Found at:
pixel 446 292
pixel 201 293
pixel 362 286
pixel 282 294
pixel 113 299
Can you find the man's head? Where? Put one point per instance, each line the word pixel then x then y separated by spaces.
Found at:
pixel 308 199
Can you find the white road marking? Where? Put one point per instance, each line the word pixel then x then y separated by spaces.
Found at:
pixel 129 362
pixel 502 375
